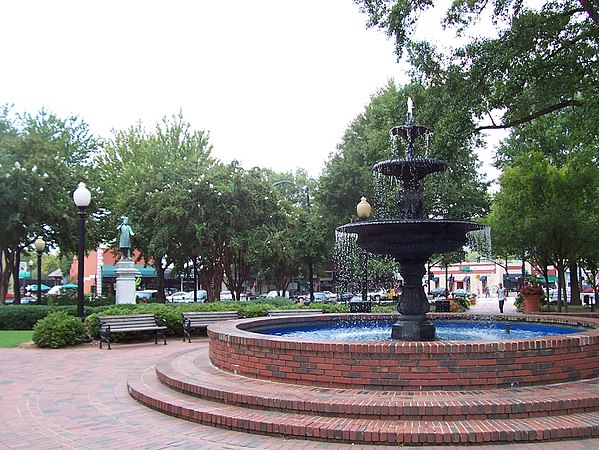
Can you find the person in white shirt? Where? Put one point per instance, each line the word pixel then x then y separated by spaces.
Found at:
pixel 501 295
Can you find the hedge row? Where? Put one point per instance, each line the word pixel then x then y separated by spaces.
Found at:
pixel 24 317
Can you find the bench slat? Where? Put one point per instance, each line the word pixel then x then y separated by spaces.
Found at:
pixel 201 319
pixel 293 312
pixel 129 323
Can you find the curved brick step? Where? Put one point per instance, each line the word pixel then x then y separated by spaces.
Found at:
pixel 192 373
pixel 145 387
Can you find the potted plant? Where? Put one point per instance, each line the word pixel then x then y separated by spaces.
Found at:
pixel 532 293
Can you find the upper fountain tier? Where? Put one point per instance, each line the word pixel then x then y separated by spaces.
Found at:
pixel 410 169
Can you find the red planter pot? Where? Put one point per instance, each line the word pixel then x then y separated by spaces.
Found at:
pixel 532 303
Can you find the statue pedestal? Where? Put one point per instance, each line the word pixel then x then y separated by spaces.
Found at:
pixel 125 282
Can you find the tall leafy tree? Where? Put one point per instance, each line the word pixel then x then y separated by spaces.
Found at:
pixel 151 178
pixel 543 57
pixel 42 159
pixel 458 193
pixel 546 211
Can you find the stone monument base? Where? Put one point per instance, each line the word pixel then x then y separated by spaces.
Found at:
pixel 125 282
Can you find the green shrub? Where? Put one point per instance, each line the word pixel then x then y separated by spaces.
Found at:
pixel 330 308
pixel 24 317
pixel 392 308
pixel 58 329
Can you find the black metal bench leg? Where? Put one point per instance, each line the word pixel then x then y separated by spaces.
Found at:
pixel 104 339
pixel 158 333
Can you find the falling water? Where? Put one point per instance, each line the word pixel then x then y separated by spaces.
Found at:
pixel 479 241
pixel 347 261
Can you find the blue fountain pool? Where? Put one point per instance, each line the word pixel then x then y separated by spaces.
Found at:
pixel 462 330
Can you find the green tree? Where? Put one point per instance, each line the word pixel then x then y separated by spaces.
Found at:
pixel 42 158
pixel 548 212
pixel 543 57
pixel 458 193
pixel 153 179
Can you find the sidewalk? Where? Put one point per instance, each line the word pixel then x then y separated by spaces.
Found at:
pixel 491 306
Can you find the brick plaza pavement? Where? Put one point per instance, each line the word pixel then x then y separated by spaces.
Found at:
pixel 77 398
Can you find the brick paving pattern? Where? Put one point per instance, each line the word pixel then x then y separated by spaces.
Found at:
pixel 77 398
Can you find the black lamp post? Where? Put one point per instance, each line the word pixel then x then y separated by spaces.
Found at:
pixel 82 198
pixel 310 264
pixel 39 245
pixel 364 209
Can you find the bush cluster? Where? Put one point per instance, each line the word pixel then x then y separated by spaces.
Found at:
pixel 24 317
pixel 58 329
pixel 58 326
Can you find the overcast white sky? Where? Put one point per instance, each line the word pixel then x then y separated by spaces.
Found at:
pixel 275 82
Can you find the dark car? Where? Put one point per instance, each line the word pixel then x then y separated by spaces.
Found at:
pixel 345 297
pixel 438 292
pixel 463 293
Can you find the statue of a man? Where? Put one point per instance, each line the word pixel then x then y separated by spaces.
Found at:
pixel 125 240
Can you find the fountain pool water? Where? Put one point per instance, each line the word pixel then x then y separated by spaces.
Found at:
pixel 364 329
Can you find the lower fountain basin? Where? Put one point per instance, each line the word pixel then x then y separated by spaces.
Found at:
pixel 406 365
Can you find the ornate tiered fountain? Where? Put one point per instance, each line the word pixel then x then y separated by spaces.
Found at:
pixel 399 391
pixel 411 239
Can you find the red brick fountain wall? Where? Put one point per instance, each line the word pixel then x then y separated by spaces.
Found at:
pixel 399 365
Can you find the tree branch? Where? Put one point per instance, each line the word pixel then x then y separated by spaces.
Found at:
pixel 531 117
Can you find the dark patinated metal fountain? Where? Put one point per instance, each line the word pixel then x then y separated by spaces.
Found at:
pixel 411 239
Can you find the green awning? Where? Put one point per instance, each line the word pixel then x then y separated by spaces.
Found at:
pixel 552 279
pixel 108 271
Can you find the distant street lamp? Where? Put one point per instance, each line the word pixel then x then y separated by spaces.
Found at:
pixel 82 198
pixel 364 209
pixel 39 245
pixel 30 276
pixel 310 264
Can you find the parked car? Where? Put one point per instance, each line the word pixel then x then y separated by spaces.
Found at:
pixel 226 295
pixel 147 295
pixel 458 293
pixel 330 295
pixel 273 294
pixel 320 297
pixel 377 294
pixel 202 296
pixel 176 297
pixel 437 292
pixel 345 297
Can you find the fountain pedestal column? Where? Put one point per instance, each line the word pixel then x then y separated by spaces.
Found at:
pixel 413 328
pixel 413 325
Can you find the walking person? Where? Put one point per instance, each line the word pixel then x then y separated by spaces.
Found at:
pixel 501 295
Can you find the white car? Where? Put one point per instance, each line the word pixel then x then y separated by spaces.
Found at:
pixel 226 295
pixel 176 297
pixel 202 297
pixel 377 294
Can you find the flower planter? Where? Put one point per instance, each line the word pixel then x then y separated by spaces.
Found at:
pixel 532 303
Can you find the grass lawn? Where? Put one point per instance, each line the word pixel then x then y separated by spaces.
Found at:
pixel 14 338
